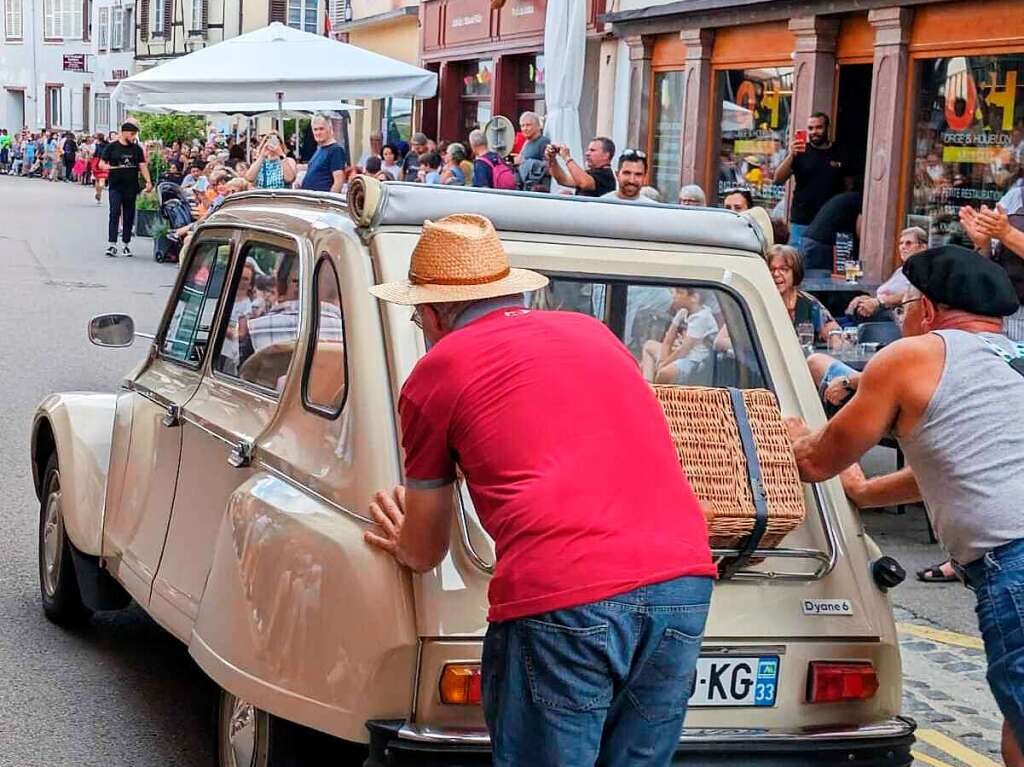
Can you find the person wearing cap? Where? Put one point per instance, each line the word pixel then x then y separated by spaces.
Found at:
pixel 952 392
pixel 603 575
pixel 123 160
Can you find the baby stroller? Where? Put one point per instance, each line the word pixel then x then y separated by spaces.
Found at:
pixel 176 212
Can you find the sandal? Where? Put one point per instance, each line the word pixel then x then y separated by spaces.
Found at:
pixel 934 574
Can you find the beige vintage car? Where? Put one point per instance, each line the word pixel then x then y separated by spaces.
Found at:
pixel 225 486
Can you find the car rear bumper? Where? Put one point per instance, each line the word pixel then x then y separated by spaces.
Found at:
pixel 885 744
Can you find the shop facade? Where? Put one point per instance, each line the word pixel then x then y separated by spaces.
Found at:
pixel 926 99
pixel 491 62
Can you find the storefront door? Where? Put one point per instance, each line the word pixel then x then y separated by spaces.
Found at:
pixel 853 108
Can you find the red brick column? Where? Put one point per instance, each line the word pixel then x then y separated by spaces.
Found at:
pixel 640 80
pixel 814 67
pixel 698 92
pixel 890 78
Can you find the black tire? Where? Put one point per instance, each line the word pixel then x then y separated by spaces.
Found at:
pixel 58 584
pixel 274 742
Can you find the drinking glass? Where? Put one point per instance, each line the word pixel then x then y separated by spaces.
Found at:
pixel 805 332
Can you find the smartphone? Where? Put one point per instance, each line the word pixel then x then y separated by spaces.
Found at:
pixel 273 142
pixel 801 136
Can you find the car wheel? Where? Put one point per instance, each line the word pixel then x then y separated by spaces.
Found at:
pixel 249 737
pixel 58 584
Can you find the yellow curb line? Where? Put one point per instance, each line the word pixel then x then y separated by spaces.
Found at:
pixel 955 749
pixel 929 760
pixel 938 635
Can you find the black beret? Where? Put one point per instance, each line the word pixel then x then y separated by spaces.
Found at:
pixel 962 279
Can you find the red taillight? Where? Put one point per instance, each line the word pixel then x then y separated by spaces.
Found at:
pixel 829 682
pixel 460 684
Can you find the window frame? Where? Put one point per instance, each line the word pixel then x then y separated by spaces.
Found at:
pixel 303 6
pixel 9 7
pixel 116 36
pixel 158 30
pixel 311 346
pixel 242 243
pixel 104 29
pixel 216 239
pixel 670 282
pixel 98 99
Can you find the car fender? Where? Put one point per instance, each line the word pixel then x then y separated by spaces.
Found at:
pixel 303 619
pixel 78 427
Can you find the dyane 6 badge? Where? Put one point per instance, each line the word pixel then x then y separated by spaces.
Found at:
pixel 827 607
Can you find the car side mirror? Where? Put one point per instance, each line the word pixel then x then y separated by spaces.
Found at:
pixel 112 330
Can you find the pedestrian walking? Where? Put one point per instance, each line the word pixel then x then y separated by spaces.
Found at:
pixel 69 153
pixel 123 160
pixel 952 392
pixel 99 173
pixel 821 170
pixel 5 151
pixel 604 575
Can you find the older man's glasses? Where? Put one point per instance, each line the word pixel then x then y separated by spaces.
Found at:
pixel 900 310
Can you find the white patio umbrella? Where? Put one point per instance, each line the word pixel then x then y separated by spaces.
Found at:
pixel 565 47
pixel 255 108
pixel 275 62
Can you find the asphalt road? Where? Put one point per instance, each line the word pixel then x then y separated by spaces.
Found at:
pixel 122 692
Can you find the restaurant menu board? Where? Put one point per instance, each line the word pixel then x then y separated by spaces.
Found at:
pixel 969 139
pixel 755 109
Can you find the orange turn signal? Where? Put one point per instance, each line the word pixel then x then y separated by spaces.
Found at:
pixel 460 684
pixel 840 682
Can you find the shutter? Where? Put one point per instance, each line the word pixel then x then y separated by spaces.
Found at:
pixel 144 19
pixel 279 11
pixel 206 17
pixel 168 15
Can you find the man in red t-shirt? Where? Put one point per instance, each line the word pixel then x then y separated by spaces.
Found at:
pixel 603 575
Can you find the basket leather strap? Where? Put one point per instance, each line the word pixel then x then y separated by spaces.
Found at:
pixel 739 408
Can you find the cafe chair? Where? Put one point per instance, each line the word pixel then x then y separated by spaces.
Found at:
pixel 880 333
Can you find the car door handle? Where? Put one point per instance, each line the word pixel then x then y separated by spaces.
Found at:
pixel 173 416
pixel 241 455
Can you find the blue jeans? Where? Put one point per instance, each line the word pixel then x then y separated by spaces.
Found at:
pixel 604 683
pixel 796 234
pixel 998 582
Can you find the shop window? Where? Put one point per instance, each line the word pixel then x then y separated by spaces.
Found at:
pixel 397 120
pixel 754 116
pixel 530 85
pixel 666 134
pixel 475 102
pixel 968 139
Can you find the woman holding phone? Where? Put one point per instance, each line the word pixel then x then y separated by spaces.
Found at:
pixel 271 168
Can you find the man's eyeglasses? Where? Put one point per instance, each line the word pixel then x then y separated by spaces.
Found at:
pixel 633 154
pixel 417 318
pixel 900 310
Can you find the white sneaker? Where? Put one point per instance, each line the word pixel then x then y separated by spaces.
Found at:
pixel 126 251
pixel 112 251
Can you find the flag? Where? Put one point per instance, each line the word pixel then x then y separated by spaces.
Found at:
pixel 328 30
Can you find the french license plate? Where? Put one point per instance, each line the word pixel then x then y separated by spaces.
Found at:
pixel 726 681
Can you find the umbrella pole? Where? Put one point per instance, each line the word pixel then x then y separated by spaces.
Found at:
pixel 280 113
pixel 248 140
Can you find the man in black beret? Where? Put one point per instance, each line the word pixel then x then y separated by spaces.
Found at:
pixel 952 392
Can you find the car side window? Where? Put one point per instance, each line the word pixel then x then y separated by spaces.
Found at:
pixel 188 333
pixel 325 384
pixel 261 317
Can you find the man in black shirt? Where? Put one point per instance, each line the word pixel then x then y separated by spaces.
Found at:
pixel 840 214
pixel 821 172
pixel 597 180
pixel 124 159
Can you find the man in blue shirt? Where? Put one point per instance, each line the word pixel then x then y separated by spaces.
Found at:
pixel 326 170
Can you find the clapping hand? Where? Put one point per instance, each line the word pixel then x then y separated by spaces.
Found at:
pixel 970 221
pixel 993 223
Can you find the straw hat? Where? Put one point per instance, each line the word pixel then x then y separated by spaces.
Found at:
pixel 458 258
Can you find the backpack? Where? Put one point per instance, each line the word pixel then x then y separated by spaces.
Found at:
pixel 502 175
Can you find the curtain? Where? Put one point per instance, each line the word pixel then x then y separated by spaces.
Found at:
pixel 565 48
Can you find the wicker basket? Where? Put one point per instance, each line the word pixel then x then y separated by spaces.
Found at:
pixel 707 438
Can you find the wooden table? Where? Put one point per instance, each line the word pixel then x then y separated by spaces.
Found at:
pixel 835 292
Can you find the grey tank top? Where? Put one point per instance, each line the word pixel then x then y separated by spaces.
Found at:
pixel 967 451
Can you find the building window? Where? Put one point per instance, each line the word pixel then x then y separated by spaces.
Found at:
pixel 53 107
pixel 159 21
pixel 102 115
pixel 302 14
pixel 530 85
pixel 475 101
pixel 122 114
pixel 116 30
pixel 13 17
pixel 127 30
pixel 968 139
pixel 198 17
pixel 103 36
pixel 87 20
pixel 666 148
pixel 62 19
pixel 755 107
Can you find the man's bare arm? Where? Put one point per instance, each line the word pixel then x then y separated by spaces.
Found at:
pixel 416 525
pixel 858 427
pixel 892 489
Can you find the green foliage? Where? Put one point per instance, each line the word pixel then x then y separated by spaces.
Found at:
pixel 147 201
pixel 170 128
pixel 157 166
pixel 159 229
